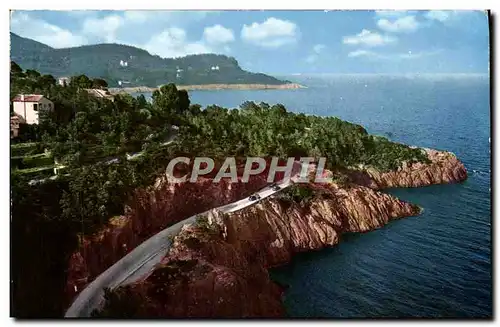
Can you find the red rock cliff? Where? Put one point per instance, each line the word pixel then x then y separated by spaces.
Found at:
pixel 149 212
pixel 225 259
pixel 228 275
pixel 444 168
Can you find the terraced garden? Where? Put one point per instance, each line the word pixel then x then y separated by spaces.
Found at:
pixel 30 160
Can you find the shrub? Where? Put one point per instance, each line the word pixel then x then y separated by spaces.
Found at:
pixel 297 193
pixel 37 161
pixel 22 149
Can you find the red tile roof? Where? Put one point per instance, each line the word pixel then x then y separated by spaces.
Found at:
pixel 28 98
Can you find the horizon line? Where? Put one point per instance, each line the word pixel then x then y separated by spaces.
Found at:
pixel 377 74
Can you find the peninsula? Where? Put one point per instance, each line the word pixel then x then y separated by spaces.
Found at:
pixel 128 66
pixel 104 208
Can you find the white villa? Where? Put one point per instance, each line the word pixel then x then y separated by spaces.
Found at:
pixel 28 105
pixel 63 81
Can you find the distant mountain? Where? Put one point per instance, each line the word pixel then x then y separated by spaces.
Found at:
pixel 117 62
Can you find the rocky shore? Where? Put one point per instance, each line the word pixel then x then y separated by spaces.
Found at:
pixel 219 268
pixel 445 168
pixel 145 89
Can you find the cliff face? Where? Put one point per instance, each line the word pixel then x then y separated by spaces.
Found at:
pixel 224 261
pixel 444 168
pixel 149 212
pixel 220 269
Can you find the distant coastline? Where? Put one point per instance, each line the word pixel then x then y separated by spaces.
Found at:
pixel 145 89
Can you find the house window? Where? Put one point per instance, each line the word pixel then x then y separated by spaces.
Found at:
pixel 35 106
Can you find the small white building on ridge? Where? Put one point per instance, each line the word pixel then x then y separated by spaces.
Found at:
pixel 63 81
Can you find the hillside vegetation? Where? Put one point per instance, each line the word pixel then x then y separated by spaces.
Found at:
pixel 48 218
pixel 143 69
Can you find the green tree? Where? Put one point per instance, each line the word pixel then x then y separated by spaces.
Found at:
pixel 15 69
pixel 99 83
pixel 195 109
pixel 32 74
pixel 47 80
pixel 141 101
pixel 81 81
pixel 183 102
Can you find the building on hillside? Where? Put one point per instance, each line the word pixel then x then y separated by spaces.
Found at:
pixel 179 72
pixel 63 81
pixel 15 120
pixel 98 93
pixel 29 105
pixel 121 83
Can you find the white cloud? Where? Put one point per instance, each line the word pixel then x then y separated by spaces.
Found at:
pixel 134 24
pixel 393 56
pixel 446 16
pixel 52 35
pixel 402 24
pixel 164 16
pixel 440 15
pixel 122 27
pixel 369 38
pixel 104 29
pixel 172 42
pixel 272 33
pixel 218 34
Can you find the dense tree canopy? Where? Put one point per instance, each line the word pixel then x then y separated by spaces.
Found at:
pixel 15 69
pixel 264 130
pixel 81 81
pixel 99 83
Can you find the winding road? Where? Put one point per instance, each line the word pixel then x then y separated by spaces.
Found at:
pixel 144 257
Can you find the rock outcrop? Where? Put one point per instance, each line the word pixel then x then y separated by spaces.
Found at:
pixel 150 211
pixel 219 270
pixel 224 260
pixel 444 168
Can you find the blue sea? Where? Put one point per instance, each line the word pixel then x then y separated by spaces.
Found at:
pixel 437 264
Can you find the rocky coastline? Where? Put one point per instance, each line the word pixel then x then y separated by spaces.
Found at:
pixel 219 268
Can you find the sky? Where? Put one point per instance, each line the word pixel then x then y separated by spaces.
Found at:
pixel 283 42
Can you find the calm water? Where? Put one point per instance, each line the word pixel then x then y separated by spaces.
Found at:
pixel 437 264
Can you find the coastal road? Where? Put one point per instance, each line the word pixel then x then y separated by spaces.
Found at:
pixel 144 257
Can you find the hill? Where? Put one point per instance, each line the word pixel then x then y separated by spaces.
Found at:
pixel 142 68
